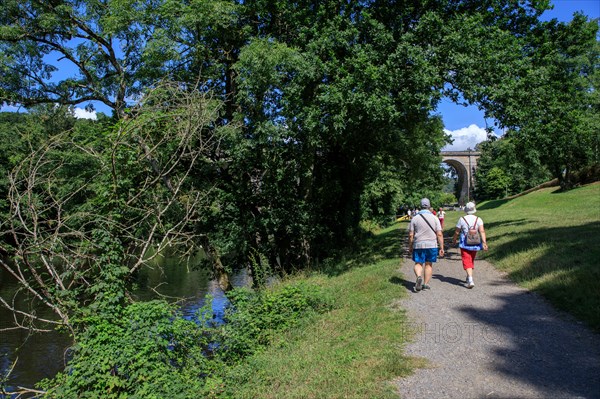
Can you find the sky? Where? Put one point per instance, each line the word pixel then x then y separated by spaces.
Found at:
pixel 466 125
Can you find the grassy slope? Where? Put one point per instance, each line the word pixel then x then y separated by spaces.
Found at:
pixel 549 242
pixel 351 352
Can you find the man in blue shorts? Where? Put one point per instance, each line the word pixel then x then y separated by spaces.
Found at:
pixel 425 236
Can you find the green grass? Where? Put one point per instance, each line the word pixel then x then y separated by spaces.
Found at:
pixel 549 242
pixel 546 241
pixel 355 350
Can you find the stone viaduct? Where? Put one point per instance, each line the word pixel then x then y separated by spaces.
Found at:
pixel 465 163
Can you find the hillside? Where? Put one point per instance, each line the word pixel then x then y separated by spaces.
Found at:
pixel 547 241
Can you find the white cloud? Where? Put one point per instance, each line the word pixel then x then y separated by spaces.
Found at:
pixel 81 113
pixel 466 137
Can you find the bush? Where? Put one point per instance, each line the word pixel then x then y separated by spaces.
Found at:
pixel 255 317
pixel 147 350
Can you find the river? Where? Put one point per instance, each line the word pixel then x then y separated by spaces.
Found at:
pixel 41 355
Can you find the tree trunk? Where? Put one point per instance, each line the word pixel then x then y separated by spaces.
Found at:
pixel 218 268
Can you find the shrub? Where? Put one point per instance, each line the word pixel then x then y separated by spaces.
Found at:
pixel 147 350
pixel 255 317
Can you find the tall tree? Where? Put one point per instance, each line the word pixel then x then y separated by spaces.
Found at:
pixel 334 98
pixel 552 101
pixel 506 157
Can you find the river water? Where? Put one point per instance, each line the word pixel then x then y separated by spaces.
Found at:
pixel 41 355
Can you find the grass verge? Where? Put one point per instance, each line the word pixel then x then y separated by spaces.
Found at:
pixel 547 241
pixel 355 350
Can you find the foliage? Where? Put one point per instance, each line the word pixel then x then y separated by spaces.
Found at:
pixel 552 102
pixel 21 133
pixel 147 350
pixel 144 350
pixel 256 318
pixel 447 199
pixel 86 208
pixel 506 167
pixel 105 44
pixel 334 99
pixel 497 182
pixel 353 351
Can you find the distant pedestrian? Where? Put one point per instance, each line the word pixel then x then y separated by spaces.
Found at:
pixel 441 215
pixel 424 239
pixel 470 229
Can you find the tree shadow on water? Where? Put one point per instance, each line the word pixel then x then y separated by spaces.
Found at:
pixel 531 342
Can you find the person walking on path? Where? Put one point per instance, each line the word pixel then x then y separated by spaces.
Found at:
pixel 441 215
pixel 425 241
pixel 472 239
pixel 503 341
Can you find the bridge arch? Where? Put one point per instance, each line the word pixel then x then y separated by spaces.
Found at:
pixel 465 164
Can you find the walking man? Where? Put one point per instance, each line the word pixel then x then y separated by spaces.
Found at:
pixel 424 238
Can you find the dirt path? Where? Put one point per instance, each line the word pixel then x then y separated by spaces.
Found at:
pixel 494 341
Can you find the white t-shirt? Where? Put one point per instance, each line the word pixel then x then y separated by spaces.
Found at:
pixel 441 214
pixel 471 220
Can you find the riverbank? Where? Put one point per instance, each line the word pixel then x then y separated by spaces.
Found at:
pixel 353 351
pixel 366 345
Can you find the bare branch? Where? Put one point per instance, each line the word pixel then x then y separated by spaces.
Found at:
pixel 141 192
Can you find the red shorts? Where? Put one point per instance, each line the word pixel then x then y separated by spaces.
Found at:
pixel 468 258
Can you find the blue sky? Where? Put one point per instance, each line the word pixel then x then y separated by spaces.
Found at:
pixel 467 124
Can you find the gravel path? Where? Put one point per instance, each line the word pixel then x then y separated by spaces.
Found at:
pixel 496 340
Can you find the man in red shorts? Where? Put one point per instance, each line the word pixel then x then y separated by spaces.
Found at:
pixel 424 239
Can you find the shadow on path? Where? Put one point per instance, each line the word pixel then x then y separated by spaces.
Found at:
pixel 405 283
pixel 546 350
pixel 496 340
pixel 448 280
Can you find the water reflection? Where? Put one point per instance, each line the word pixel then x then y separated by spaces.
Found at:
pixel 41 355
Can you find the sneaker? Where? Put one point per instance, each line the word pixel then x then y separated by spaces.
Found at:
pixel 470 283
pixel 419 284
pixel 426 287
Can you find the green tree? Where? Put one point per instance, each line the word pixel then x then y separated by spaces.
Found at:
pixel 553 97
pixel 521 165
pixel 117 49
pixel 496 183
pixel 85 209
pixel 333 99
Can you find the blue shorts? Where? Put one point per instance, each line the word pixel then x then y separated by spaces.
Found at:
pixel 422 255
